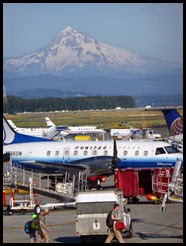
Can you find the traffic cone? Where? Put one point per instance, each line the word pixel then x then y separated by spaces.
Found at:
pixel 4 197
pixel 35 195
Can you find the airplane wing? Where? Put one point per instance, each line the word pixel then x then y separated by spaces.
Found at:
pixel 90 165
pixel 58 166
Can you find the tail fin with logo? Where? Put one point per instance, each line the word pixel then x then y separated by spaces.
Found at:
pixel 174 121
pixel 12 137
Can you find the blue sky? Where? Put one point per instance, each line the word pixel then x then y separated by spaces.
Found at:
pixel 149 29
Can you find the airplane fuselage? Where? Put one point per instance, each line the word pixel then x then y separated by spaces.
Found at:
pixel 132 154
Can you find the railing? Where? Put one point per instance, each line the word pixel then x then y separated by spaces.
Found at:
pixel 64 184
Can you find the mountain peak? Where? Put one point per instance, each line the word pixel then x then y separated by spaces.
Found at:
pixel 73 51
pixel 67 29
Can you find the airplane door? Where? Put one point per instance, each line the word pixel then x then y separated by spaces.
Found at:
pixel 66 155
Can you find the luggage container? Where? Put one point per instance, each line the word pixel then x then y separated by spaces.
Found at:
pixel 92 208
pixel 136 182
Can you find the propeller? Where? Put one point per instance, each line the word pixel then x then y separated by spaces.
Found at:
pixel 115 159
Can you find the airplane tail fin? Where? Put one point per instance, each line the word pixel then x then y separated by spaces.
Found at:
pixel 11 137
pixel 12 124
pixel 174 121
pixel 49 122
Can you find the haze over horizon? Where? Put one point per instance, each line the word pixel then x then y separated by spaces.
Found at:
pixel 148 29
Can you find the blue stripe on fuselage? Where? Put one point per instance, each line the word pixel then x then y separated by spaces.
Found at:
pixel 129 163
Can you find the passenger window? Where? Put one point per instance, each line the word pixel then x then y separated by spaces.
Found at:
pixel 48 152
pixel 105 152
pixel 75 152
pixel 85 152
pixel 145 153
pixel 94 152
pixel 66 153
pixel 82 147
pixel 136 152
pixel 57 153
pixel 160 151
pixel 104 147
pixel 125 152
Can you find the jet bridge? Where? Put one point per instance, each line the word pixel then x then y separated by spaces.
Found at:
pixel 63 187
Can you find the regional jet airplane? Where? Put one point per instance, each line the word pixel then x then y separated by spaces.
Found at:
pixel 78 129
pixel 93 157
pixel 40 132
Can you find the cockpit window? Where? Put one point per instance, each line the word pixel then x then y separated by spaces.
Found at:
pixel 171 149
pixel 160 151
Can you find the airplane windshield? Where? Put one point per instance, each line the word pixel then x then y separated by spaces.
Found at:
pixel 171 150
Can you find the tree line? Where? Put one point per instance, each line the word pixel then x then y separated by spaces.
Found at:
pixel 16 104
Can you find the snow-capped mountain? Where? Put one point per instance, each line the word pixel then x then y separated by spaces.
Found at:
pixel 71 51
pixel 76 61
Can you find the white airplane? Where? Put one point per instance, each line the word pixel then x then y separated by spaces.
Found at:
pixel 40 132
pixel 78 129
pixel 93 157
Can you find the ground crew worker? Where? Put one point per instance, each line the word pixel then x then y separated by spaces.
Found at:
pixel 33 231
pixel 116 216
pixel 44 230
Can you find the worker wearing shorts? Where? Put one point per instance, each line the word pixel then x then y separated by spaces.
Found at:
pixel 43 231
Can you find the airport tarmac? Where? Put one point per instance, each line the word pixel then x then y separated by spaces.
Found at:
pixel 149 224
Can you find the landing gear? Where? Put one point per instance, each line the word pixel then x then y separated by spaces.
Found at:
pixel 94 184
pixel 133 200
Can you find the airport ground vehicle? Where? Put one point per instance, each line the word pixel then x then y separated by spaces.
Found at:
pixel 92 208
pixel 150 133
pixel 135 182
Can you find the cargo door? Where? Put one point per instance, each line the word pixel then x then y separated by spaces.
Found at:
pixel 145 181
pixel 127 181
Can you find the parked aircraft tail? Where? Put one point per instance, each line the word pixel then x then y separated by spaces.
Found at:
pixel 49 122
pixel 12 124
pixel 11 137
pixel 174 121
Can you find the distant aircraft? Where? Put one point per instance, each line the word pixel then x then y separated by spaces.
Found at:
pixel 92 157
pixel 78 129
pixel 40 132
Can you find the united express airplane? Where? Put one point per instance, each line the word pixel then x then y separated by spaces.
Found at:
pixel 93 157
pixel 40 132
